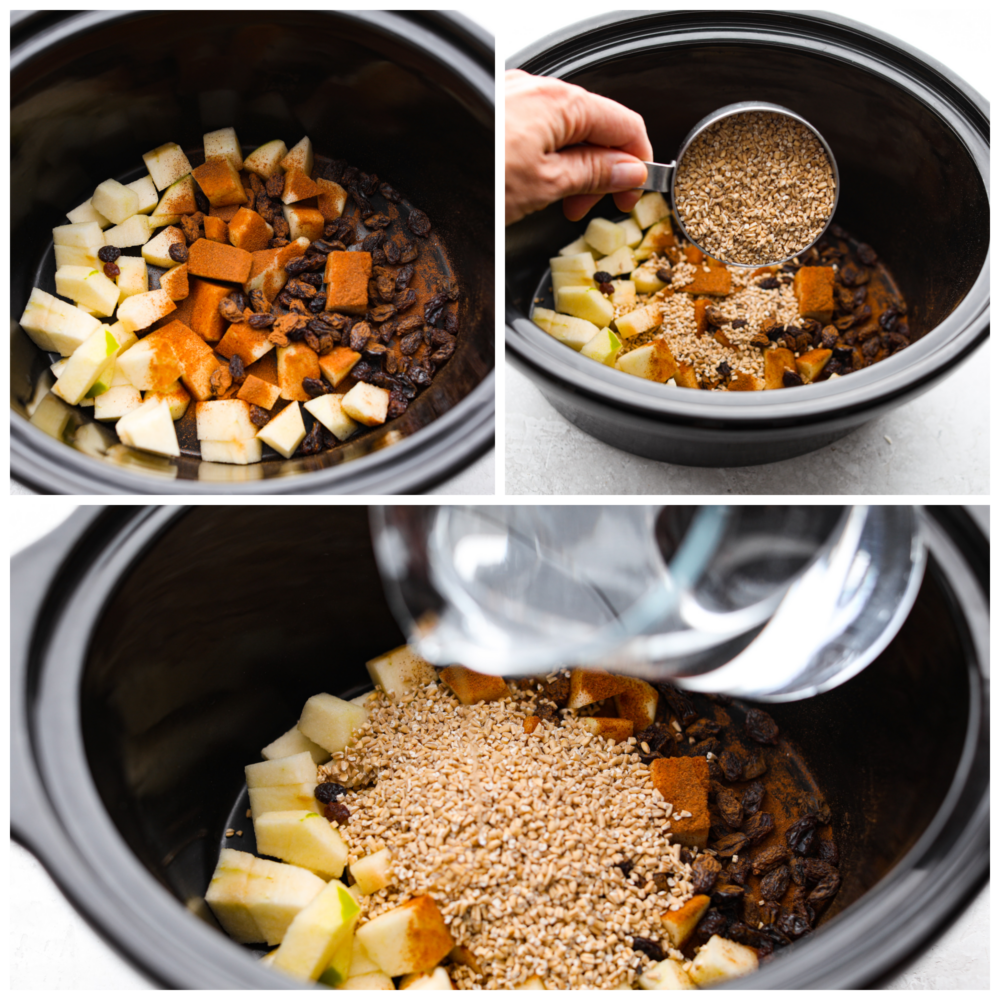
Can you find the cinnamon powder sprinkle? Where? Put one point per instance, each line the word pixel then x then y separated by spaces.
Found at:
pixel 516 836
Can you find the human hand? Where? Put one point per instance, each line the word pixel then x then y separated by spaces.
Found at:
pixel 561 141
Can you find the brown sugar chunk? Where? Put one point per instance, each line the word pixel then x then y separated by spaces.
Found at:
pixel 208 259
pixel 268 273
pixel 258 392
pixel 814 289
pixel 220 182
pixel 243 340
pixel 216 229
pixel 295 363
pixel 347 275
pixel 248 231
pixel 714 281
pixel 205 319
pixel 684 782
pixel 196 358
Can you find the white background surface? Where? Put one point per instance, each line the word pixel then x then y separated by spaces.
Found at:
pixel 939 441
pixel 52 947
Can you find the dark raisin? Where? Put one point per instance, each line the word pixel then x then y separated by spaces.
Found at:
pixel 421 374
pixel 763 861
pixel 260 321
pixel 178 252
pixel 775 884
pixel 801 835
pixel 389 192
pixel 329 791
pixel 360 335
pixel 731 764
pixel 317 305
pixel 827 851
pixel 315 262
pixel 790 379
pixel 602 277
pixel 259 417
pixel 316 386
pixel 204 205
pixel 236 369
pixel 730 807
pixel 277 243
pixel 726 893
pixel 301 289
pixel 761 727
pixel 738 872
pixel 275 184
pixel 724 370
pixel 258 302
pixel 625 867
pixel 391 251
pixel 774 332
pixel 406 299
pixel 312 443
pixel 112 270
pixel 665 275
pixel 742 934
pixel 767 912
pixel 887 319
pixel 649 948
pixel 373 349
pixel 382 312
pixel 727 846
pixel 826 887
pixel 336 812
pixel 755 766
pixel 753 797
pixel 377 221
pixel 662 881
pixel 768 283
pixel 680 704
pixel 368 182
pixel 220 380
pixel 713 923
pixel 654 737
pixel 758 826
pixel 418 223
pixel 792 925
pixel 738 324
pixel 704 873
pixel 109 255
pixel 606 288
pixel 408 252
pixel 702 729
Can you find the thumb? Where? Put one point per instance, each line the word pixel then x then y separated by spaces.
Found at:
pixel 597 170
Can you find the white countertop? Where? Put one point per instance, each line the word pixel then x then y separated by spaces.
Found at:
pixel 53 947
pixel 937 444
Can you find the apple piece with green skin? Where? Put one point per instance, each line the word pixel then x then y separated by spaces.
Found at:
pixel 652 361
pixel 296 769
pixel 245 452
pixel 284 433
pixel 603 348
pixel 77 257
pixel 369 981
pixel 117 402
pixel 146 190
pixel 400 672
pixel 327 409
pixel 167 219
pixel 224 420
pixel 604 236
pixel 361 961
pixel 85 235
pixel 85 365
pixel 436 979
pixel 283 798
pixel 115 201
pixel 150 364
pixel 265 160
pixel 157 250
pixel 367 404
pixel 650 208
pixel 317 933
pixel 572 331
pixel 175 396
pixel 142 310
pixel 103 381
pixel 294 742
pixel 276 893
pixel 166 164
pixel 133 232
pixel 226 896
pixel 408 938
pixel 299 157
pixel 55 325
pixel 52 416
pixel 585 303
pixel 331 722
pixel 126 339
pixel 224 142
pixel 373 872
pixel 85 212
pixel 302 838
pixel 339 968
pixel 150 428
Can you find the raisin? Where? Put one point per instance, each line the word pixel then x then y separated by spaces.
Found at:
pixel 312 443
pixel 826 888
pixel 204 205
pixel 236 369
pixel 702 729
pixel 723 369
pixel 108 255
pixel 738 324
pixel 649 948
pixel 259 417
pixel 336 812
pixel 329 791
pixel 408 252
pixel 730 807
pixel 790 379
pixel 704 873
pixel 373 349
pixel 763 861
pixel 275 184
pixel 220 380
pixel 801 835
pixel 662 881
pixel 761 727
pixel 680 704
pixel 887 319
pixel 260 321
pixel 726 893
pixel 315 386
pixel 368 182
pixel 775 884
pixel 730 844
pixel 731 764
pixel 405 299
pixel 739 932
pixel 391 251
pixel 377 221
pixel 418 223
pixel 866 255
pixel 827 851
pixel 389 192
pixel 301 289
pixel 281 229
pixel 755 766
pixel 665 275
pixel 758 826
pixel 654 737
pixel 360 335
pixel 753 796
pixel 602 277
pixel 178 252
pixel 738 872
pixel 421 374
pixel 112 270
pixel 792 925
pixel 383 312
pixel 625 867
pixel 768 283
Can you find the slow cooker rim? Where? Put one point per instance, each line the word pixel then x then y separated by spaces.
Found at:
pixel 915 368
pixel 432 454
pixel 79 614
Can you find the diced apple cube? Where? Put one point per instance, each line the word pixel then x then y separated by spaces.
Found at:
pixel 55 325
pixel 810 364
pixel 265 160
pixel 302 838
pixel 150 364
pixel 116 402
pixel 299 157
pixel 86 235
pixel 133 232
pixel 317 933
pixel 231 452
pixel 581 263
pixel 369 981
pixel 589 686
pixel 720 960
pixel 307 222
pixel 292 770
pixel 78 257
pixel 409 938
pixel 150 428
pixel 166 164
pixel 645 280
pixel 157 250
pixel 276 893
pixel 563 279
pixel 328 411
pixel 175 282
pixel 666 975
pixel 133 278
pixel 361 962
pixel 633 234
pixel 178 199
pixel 330 721
pixel 295 742
pixel 176 397
pixel 615 730
pixel 89 287
pixel 679 925
pixel 224 142
pixel 622 261
pixel 224 420
pixel 142 310
pixel 652 361
pixel 400 672
pixel 367 404
pixel 52 416
pixel 637 702
pixel 471 687
pixel 220 182
pixel 226 896
pixel 543 317
pixel 85 365
pixel 578 246
pixel 572 331
pixel 331 199
pixel 284 433
pixel 650 208
pixel 585 303
pixel 257 392
pixel 337 365
pixel 298 187
pixel 146 190
pixel 624 294
pixel 373 872
pixel 659 238
pixel 438 979
pixel 639 321
pixel 604 236
pixel 603 348
pixel 115 201
pixel 280 798
pixel 85 212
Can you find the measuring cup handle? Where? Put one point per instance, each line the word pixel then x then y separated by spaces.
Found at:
pixel 657 176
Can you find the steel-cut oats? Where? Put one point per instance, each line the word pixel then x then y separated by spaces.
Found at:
pixel 755 188
pixel 516 836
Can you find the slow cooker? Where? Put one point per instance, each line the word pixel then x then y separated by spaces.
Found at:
pixel 911 140
pixel 156 650
pixel 392 92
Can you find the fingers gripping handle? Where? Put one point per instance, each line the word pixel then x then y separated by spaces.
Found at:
pixel 658 176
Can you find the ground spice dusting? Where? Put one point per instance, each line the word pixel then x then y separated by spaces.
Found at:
pixel 516 836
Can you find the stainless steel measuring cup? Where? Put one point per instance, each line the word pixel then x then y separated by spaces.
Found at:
pixel 661 176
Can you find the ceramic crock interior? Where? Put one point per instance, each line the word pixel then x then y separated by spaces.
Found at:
pixel 91 109
pixel 908 186
pixel 175 703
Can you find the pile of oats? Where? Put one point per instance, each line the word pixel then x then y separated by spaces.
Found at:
pixel 755 188
pixel 515 836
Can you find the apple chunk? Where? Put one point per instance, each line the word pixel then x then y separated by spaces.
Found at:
pixel 330 721
pixel 317 932
pixel 293 742
pixel 678 925
pixel 470 687
pixel 400 672
pixel 55 325
pixel 115 201
pixel 282 798
pixel 367 404
pixel 410 938
pixel 226 896
pixel 720 960
pixel 295 769
pixel 276 893
pixel 302 838
pixel 284 432
pixel 224 142
pixel 373 872
pixel 150 428
pixel 166 164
